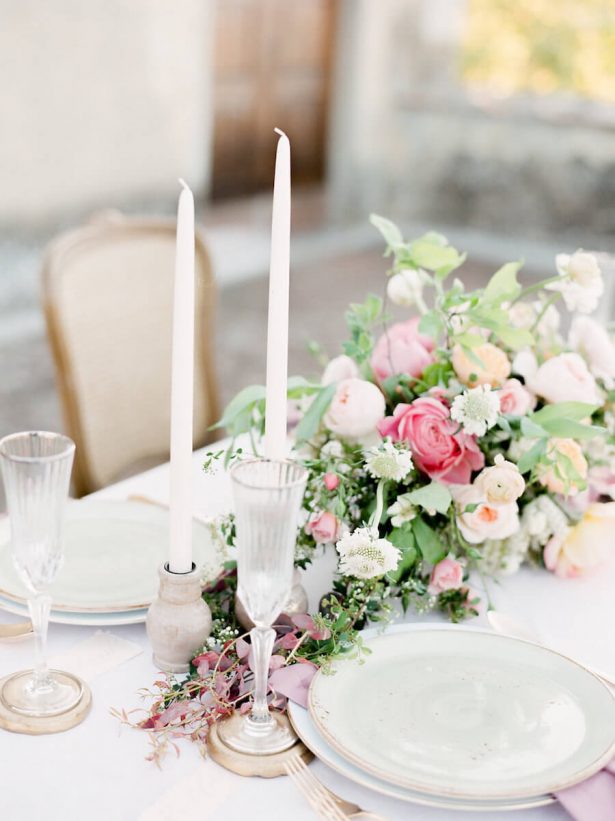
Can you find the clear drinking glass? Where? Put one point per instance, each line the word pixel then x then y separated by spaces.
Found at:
pixel 36 468
pixel 267 497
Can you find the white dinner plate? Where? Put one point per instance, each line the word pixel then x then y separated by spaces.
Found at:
pixel 466 714
pixel 112 552
pixel 78 619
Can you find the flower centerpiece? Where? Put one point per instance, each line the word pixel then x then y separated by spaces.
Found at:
pixel 470 436
pixel 460 442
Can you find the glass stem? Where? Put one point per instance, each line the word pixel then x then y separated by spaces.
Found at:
pixel 262 644
pixel 39 607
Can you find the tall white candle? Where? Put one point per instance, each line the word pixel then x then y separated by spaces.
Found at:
pixel 182 381
pixel 277 326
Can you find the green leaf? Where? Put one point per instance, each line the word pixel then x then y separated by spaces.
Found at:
pixel 503 285
pixel 435 257
pixel 515 338
pixel 569 429
pixel 391 233
pixel 243 401
pixel 532 430
pixel 469 340
pixel 532 456
pixel 431 325
pixel 310 423
pixel 434 496
pixel 403 538
pixel 428 541
pixel 566 410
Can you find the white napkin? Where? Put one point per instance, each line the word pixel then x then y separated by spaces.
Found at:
pixel 198 793
pixel 95 655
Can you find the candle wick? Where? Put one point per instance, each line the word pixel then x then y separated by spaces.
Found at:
pixel 280 132
pixel 184 184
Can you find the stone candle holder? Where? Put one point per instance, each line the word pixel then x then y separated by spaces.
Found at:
pixel 178 620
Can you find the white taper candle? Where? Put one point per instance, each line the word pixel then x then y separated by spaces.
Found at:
pixel 182 382
pixel 277 325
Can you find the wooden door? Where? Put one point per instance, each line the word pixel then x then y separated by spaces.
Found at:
pixel 272 68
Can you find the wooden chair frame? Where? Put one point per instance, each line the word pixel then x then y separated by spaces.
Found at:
pixel 101 226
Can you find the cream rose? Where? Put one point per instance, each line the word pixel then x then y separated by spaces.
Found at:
pixel 355 410
pixel 565 378
pixel 593 342
pixel 493 369
pixel 485 521
pixel 500 484
pixel 580 281
pixel 552 477
pixel 583 547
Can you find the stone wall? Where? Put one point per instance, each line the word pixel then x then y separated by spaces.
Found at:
pixel 104 102
pixel 414 143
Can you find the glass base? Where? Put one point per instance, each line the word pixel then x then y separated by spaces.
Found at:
pixel 245 735
pixel 61 693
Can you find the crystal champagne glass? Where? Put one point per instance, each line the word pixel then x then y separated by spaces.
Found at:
pixel 36 468
pixel 267 496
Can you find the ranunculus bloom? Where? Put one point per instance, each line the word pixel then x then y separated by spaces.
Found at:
pixel 485 521
pixel 355 410
pixel 565 378
pixel 446 575
pixel 331 480
pixel 594 343
pixel 324 528
pixel 547 475
pixel 500 484
pixel 515 399
pixel 439 449
pixel 340 367
pixel 585 546
pixel 402 349
pixel 493 369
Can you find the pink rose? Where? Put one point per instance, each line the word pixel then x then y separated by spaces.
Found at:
pixel 439 449
pixel 324 528
pixel 515 399
pixel 331 480
pixel 402 349
pixel 446 575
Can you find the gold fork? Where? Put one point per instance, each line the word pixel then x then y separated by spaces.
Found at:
pixel 328 805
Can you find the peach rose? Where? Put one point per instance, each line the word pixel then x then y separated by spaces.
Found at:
pixel 500 484
pixel 515 399
pixel 551 478
pixel 324 528
pixel 340 367
pixel 585 546
pixel 355 410
pixel 565 378
pixel 402 349
pixel 446 575
pixel 438 447
pixel 485 521
pixel 494 367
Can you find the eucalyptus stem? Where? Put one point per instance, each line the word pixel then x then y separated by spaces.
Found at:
pixel 537 286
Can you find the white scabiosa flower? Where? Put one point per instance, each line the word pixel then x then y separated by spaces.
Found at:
pixel 476 410
pixel 388 462
pixel 580 281
pixel 365 556
pixel 402 510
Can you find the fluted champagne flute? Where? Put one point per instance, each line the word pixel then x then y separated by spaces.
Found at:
pixel 267 496
pixel 36 468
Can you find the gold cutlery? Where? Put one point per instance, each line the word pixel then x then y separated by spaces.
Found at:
pixel 328 805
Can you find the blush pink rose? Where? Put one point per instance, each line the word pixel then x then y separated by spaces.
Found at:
pixel 565 378
pixel 515 399
pixel 323 528
pixel 446 575
pixel 331 480
pixel 439 449
pixel 402 349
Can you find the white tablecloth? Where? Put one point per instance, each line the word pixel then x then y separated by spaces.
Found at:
pixel 98 771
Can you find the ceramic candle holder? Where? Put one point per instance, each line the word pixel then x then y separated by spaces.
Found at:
pixel 178 620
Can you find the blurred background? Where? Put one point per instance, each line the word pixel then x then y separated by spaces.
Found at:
pixel 491 121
